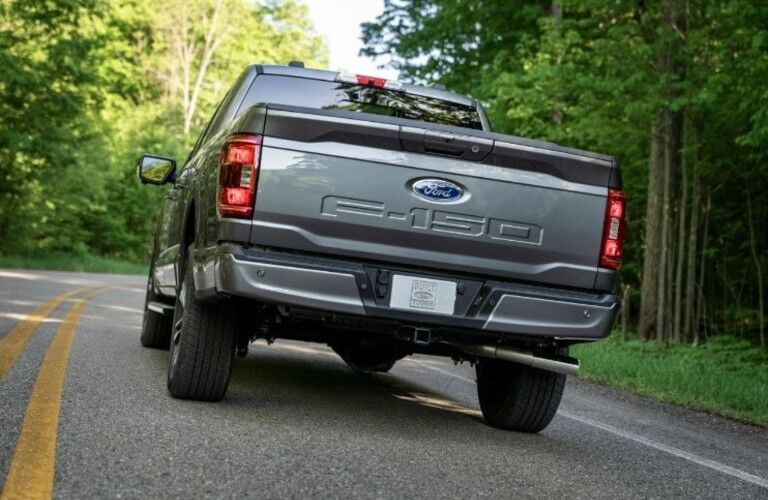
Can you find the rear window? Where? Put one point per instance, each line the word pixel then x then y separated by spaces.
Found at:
pixel 322 94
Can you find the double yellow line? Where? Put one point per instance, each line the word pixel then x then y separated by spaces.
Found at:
pixel 32 469
pixel 13 343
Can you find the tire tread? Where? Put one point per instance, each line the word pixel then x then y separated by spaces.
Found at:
pixel 517 397
pixel 207 348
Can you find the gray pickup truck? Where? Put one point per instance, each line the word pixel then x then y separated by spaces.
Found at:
pixel 382 219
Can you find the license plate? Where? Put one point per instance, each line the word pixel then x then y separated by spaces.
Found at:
pixel 422 294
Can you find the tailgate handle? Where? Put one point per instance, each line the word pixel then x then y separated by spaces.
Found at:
pixel 437 142
pixel 464 147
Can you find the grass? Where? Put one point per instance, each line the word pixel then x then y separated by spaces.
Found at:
pixel 61 261
pixel 725 375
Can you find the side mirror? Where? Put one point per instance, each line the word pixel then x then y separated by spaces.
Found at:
pixel 156 169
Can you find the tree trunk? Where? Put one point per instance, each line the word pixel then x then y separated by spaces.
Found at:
pixel 663 172
pixel 759 272
pixel 8 210
pixel 700 305
pixel 661 285
pixel 649 291
pixel 196 32
pixel 625 310
pixel 215 32
pixel 557 15
pixel 681 227
pixel 671 170
pixel 693 233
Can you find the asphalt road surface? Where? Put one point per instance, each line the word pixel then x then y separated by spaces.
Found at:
pixel 84 413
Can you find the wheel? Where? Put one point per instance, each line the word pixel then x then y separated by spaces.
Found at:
pixel 156 327
pixel 516 397
pixel 367 357
pixel 202 346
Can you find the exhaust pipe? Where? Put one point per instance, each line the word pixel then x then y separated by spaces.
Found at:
pixel 566 366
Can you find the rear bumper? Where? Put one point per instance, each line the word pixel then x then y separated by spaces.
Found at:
pixel 361 289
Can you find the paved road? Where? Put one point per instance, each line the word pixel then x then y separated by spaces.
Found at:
pixel 296 422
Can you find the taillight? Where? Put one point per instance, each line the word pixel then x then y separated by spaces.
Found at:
pixel 238 175
pixel 369 81
pixel 614 227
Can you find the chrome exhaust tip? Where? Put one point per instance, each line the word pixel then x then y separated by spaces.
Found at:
pixel 566 366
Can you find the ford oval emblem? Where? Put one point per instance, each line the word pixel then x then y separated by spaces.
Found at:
pixel 437 190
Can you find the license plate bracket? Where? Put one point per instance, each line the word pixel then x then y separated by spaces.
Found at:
pixel 425 295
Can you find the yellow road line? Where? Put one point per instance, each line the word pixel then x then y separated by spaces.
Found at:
pixel 12 344
pixel 34 461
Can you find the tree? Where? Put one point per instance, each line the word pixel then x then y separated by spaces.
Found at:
pixel 191 36
pixel 47 87
pixel 87 86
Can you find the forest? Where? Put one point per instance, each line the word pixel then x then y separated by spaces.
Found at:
pixel 86 86
pixel 674 89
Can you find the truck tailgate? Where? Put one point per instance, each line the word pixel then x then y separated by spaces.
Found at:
pixel 366 193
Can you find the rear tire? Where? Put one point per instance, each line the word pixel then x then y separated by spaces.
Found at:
pixel 156 327
pixel 202 346
pixel 516 397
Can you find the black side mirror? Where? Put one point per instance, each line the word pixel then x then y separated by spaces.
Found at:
pixel 156 169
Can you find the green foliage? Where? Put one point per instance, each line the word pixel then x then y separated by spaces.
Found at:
pixel 87 86
pixel 46 87
pixel 451 41
pixel 725 375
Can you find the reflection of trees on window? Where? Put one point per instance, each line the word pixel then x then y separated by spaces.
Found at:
pixel 323 94
pixel 401 105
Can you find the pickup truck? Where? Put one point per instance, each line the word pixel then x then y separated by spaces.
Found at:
pixel 383 219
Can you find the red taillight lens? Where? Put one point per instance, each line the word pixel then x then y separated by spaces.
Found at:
pixel 238 175
pixel 614 227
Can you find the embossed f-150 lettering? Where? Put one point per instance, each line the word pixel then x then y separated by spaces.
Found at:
pixel 440 221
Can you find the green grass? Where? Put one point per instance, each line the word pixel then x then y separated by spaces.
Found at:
pixel 726 375
pixel 60 261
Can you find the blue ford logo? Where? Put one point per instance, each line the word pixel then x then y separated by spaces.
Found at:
pixel 437 190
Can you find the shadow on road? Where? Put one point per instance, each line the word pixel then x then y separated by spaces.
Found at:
pixel 290 389
pixel 324 379
pixel 313 387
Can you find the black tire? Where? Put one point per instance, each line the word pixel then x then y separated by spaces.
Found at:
pixel 156 327
pixel 516 397
pixel 202 346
